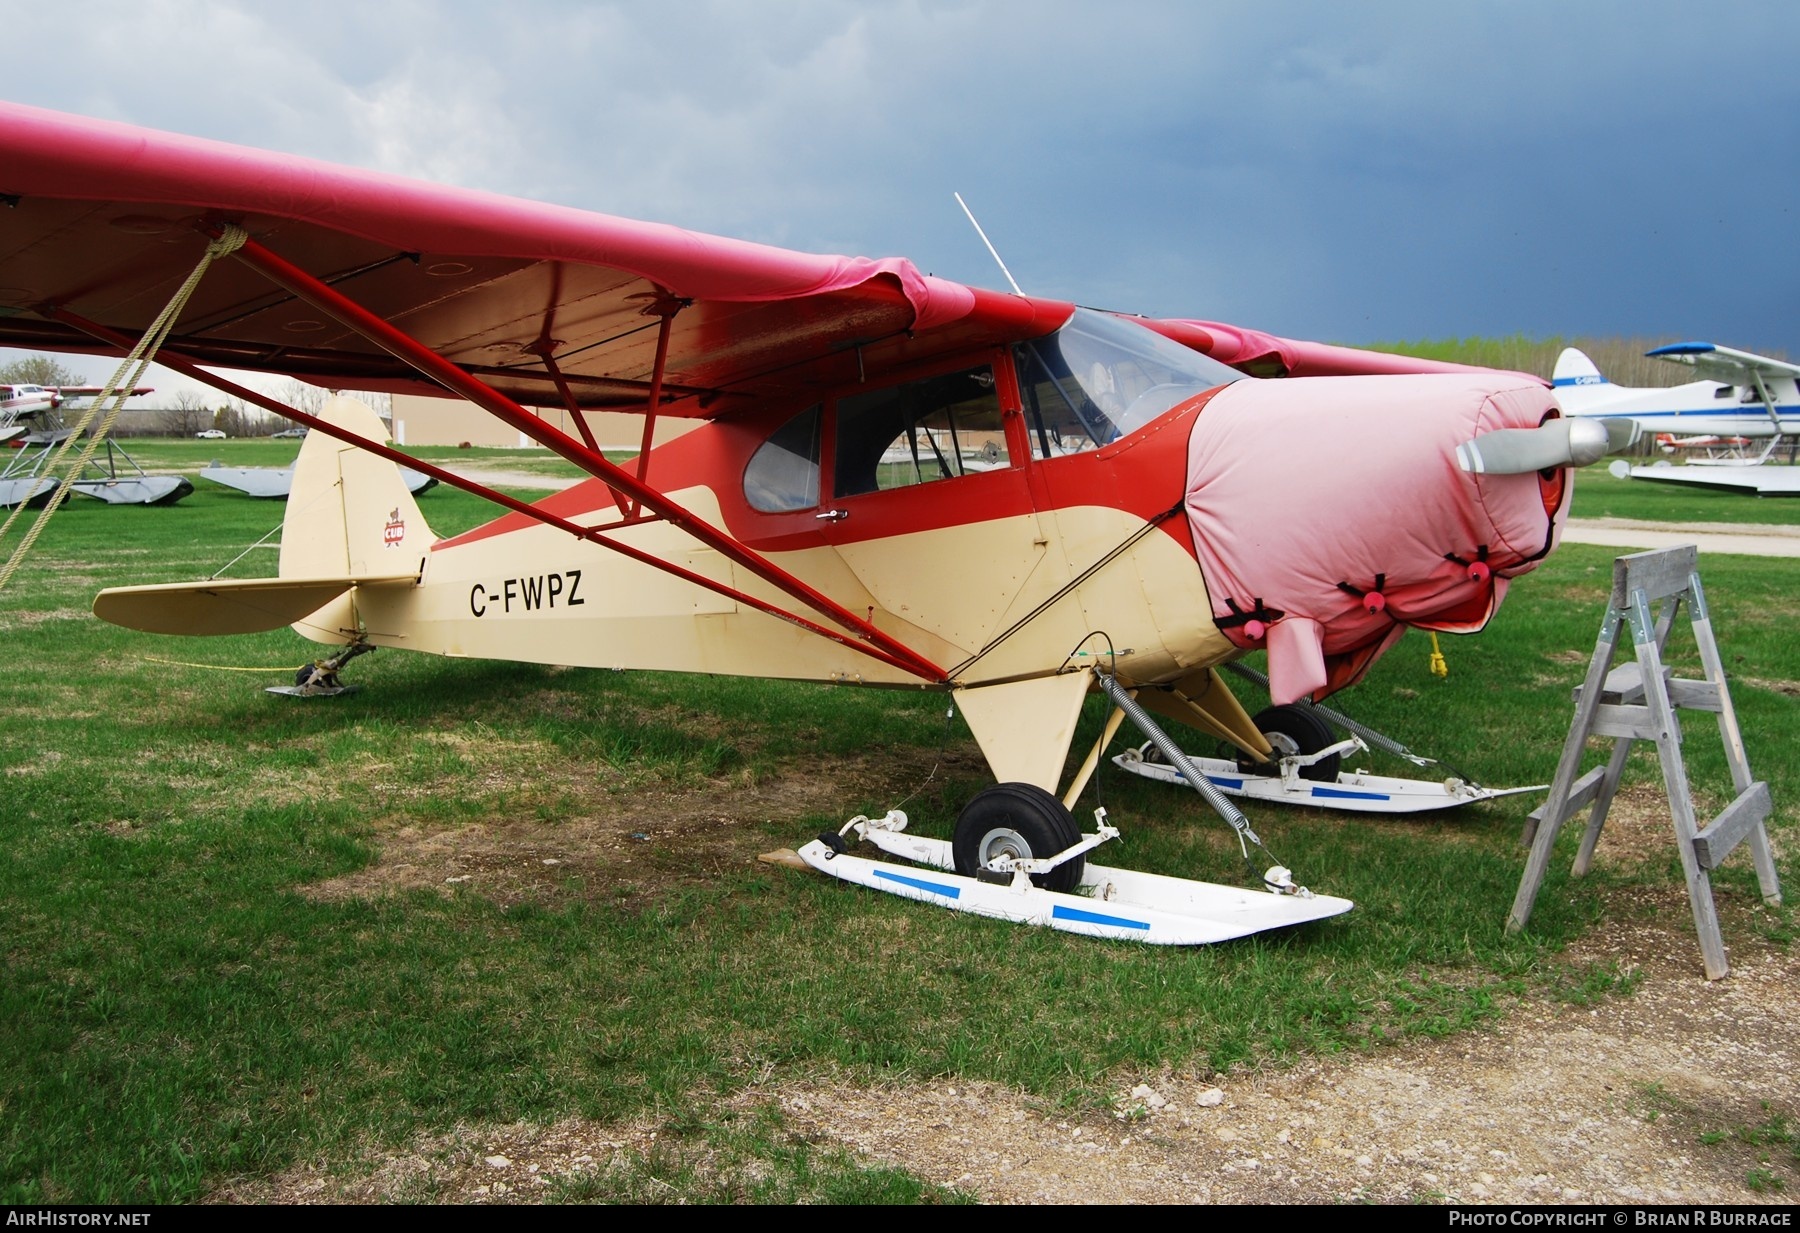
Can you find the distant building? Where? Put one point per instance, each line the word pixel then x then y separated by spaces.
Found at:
pixel 418 420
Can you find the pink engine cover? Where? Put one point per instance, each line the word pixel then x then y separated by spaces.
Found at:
pixel 1297 486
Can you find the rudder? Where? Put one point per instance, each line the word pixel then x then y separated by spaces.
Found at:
pixel 349 514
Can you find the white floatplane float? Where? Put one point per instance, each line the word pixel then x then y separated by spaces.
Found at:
pixel 274 483
pixel 1105 903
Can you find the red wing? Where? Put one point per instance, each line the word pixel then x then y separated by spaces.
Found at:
pixel 104 223
pixel 1265 355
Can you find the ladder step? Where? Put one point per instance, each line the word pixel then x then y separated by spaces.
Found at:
pixel 1624 685
pixel 1635 722
pixel 1695 695
pixel 1725 832
pixel 1581 794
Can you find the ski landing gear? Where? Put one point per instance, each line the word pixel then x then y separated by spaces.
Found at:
pixel 1017 854
pixel 1307 769
pixel 1100 902
pixel 319 679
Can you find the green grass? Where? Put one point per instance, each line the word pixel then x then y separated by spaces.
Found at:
pixel 1599 495
pixel 1773 1137
pixel 185 454
pixel 175 1012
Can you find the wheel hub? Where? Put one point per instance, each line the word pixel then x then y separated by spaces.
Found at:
pixel 1002 841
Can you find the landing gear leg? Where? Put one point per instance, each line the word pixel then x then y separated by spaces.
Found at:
pixel 1293 730
pixel 319 679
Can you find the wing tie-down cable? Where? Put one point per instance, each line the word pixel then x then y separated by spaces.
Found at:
pixel 112 399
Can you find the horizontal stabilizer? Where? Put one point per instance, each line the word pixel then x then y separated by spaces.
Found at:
pixel 227 606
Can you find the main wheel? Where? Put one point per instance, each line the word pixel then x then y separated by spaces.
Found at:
pixel 1020 820
pixel 1293 730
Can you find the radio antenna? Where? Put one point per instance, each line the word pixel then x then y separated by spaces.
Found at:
pixel 990 244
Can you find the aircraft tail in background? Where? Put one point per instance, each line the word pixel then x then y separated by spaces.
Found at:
pixel 1580 387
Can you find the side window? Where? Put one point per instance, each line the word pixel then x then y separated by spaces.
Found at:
pixel 1060 417
pixel 783 474
pixel 939 428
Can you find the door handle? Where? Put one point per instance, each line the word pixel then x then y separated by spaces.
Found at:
pixel 833 515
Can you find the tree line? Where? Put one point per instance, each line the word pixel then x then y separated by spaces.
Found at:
pixel 183 412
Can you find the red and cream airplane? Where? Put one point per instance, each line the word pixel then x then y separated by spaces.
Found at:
pixel 900 481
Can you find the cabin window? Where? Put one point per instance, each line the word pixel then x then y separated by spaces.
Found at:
pixel 1100 377
pixel 938 428
pixel 783 474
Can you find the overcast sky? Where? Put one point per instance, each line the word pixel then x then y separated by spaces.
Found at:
pixel 1351 172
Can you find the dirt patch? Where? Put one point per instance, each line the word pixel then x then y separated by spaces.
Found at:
pixel 28 620
pixel 515 476
pixel 1640 827
pixel 1655 1097
pixel 503 1164
pixel 1788 689
pixel 636 840
pixel 1775 530
pixel 1651 1098
pixel 1608 1104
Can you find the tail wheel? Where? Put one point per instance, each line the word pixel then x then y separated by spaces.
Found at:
pixel 1020 820
pixel 1293 730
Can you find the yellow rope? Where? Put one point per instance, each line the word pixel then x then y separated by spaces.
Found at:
pixel 112 399
pixel 1438 666
pixel 182 663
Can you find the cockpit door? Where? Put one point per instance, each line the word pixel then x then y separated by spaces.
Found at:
pixel 929 506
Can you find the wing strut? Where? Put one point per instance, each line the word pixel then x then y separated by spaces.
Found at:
pixel 410 351
pixel 666 307
pixel 1768 402
pixel 909 662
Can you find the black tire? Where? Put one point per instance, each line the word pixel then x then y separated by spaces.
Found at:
pixel 1293 730
pixel 1017 819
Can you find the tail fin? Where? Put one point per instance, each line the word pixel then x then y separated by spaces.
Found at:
pixel 349 515
pixel 351 525
pixel 1574 368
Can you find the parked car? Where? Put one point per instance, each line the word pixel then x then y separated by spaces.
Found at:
pixel 289 432
pixel 210 434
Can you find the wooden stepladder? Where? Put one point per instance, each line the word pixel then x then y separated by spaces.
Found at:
pixel 1637 701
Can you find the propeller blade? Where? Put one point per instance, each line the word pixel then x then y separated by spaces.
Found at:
pixel 1621 434
pixel 1515 451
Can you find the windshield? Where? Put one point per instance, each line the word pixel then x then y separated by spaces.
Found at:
pixel 1101 376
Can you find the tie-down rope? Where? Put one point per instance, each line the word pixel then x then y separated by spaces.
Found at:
pixel 112 400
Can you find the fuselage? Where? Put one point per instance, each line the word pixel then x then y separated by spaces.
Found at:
pixel 1098 493
pixel 23 401
pixel 1698 407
